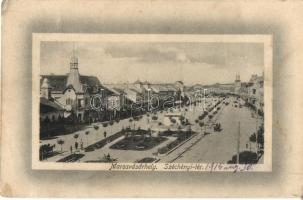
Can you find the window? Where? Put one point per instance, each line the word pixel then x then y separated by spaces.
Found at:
pixel 69 101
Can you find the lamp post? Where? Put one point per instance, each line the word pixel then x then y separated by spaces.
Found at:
pixel 238 145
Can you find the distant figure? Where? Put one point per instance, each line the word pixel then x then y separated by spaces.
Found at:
pixel 71 149
pixel 76 145
pixel 81 144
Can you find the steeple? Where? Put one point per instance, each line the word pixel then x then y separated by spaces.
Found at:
pixel 74 59
pixel 73 76
pixel 237 77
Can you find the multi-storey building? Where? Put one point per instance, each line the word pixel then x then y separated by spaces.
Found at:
pixel 74 91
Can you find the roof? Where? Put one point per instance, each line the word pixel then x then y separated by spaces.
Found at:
pixel 58 82
pixel 181 82
pixel 164 87
pixel 138 82
pixel 256 78
pixel 113 90
pixel 49 106
pixel 90 80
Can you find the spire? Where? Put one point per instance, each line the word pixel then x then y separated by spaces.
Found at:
pixel 74 76
pixel 74 59
pixel 73 49
pixel 237 77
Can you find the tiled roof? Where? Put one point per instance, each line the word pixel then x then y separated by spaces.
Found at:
pixel 58 82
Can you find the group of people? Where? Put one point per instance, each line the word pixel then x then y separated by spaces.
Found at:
pixel 76 146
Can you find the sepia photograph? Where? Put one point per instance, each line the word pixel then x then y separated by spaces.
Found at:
pixel 151 99
pixel 152 102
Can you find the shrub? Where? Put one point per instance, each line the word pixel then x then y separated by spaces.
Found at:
pixel 173 120
pixel 253 138
pixel 163 150
pixel 154 118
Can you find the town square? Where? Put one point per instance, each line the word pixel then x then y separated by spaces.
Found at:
pixel 145 120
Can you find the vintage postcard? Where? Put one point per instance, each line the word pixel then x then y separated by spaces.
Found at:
pixel 151 98
pixel 152 102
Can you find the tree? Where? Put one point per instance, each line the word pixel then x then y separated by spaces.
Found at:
pixel 60 142
pixel 260 138
pixel 76 137
pixel 253 138
pixel 87 133
pixel 154 117
pixel 173 120
pixel 179 132
pixel 149 131
pixel 201 124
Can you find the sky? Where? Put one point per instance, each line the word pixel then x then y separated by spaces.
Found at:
pixel 192 63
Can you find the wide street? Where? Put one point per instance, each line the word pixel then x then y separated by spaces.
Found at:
pixel 219 146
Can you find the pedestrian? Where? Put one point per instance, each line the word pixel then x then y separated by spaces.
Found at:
pixel 76 145
pixel 81 145
pixel 71 149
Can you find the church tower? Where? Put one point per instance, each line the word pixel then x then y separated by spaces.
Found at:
pixel 73 78
pixel 237 84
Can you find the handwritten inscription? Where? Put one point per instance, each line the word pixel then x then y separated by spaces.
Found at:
pixel 206 167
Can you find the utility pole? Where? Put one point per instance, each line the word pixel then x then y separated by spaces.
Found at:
pixel 257 132
pixel 238 145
